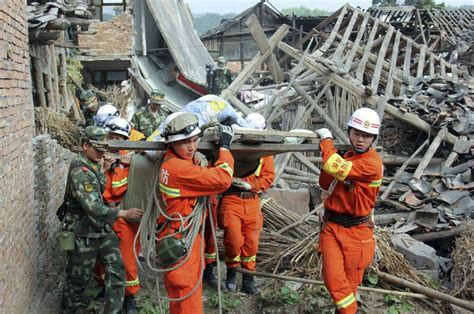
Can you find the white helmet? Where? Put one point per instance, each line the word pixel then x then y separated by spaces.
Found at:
pixel 179 126
pixel 256 121
pixel 366 120
pixel 119 126
pixel 104 113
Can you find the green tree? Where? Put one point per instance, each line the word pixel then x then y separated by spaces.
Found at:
pixel 304 11
pixel 425 4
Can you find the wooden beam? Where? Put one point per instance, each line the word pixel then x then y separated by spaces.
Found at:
pixel 263 45
pixel 429 153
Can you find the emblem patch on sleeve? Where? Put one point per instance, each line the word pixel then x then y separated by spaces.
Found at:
pixel 88 187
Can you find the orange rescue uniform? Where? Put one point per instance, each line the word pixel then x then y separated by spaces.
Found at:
pixel 210 254
pixel 347 251
pixel 242 219
pixel 115 188
pixel 181 182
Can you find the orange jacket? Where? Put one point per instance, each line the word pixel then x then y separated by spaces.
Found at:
pixel 263 177
pixel 182 181
pixel 358 176
pixel 116 184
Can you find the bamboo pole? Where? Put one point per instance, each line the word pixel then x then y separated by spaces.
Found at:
pixel 39 82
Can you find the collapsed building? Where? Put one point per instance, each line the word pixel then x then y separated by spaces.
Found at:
pixel 348 60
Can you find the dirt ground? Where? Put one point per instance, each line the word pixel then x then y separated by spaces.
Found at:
pixel 283 299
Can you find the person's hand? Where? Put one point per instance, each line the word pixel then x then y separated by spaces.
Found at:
pixel 108 161
pixel 241 184
pixel 324 133
pixel 132 215
pixel 226 135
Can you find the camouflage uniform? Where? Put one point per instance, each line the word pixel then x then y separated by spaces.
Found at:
pixel 89 105
pixel 143 121
pixel 90 220
pixel 221 79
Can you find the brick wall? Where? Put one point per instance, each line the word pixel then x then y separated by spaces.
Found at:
pixel 17 277
pixel 111 38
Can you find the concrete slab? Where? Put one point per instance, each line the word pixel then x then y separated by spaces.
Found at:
pixel 416 252
pixel 295 200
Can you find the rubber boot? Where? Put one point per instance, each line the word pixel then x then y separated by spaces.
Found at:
pixel 231 280
pixel 130 305
pixel 208 277
pixel 248 285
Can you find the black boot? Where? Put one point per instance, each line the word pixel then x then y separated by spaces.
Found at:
pixel 130 305
pixel 231 280
pixel 248 285
pixel 208 276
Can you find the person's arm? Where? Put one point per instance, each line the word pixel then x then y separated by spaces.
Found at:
pixel 263 177
pixel 86 190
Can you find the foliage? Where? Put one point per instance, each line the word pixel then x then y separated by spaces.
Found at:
pixel 288 295
pixel 397 305
pixel 229 302
pixel 207 21
pixel 74 68
pixel 419 4
pixel 146 303
pixel 304 11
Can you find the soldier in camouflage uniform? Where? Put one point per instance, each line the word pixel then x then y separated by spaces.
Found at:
pixel 90 220
pixel 147 120
pixel 221 77
pixel 89 104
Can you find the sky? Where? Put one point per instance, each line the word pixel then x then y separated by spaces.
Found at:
pixel 237 6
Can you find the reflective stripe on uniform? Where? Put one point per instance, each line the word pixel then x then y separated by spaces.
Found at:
pixel 346 301
pixel 259 168
pixel 227 168
pixel 337 167
pixel 169 191
pixel 116 184
pixel 249 259
pixel 235 259
pixel 376 183
pixel 130 283
pixel 210 255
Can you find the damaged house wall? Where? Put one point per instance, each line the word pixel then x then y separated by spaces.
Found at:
pixel 17 238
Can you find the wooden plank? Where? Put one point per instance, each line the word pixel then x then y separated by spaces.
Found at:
pixel 330 122
pixel 393 64
pixel 304 160
pixel 333 34
pixel 454 71
pixel 255 63
pixel 421 62
pixel 355 45
pixel 239 105
pixel 39 82
pixel 429 154
pixel 381 59
pixel 54 72
pixel 345 38
pixel 420 25
pixel 262 43
pixel 442 66
pixel 407 62
pixel 368 47
pixel 432 66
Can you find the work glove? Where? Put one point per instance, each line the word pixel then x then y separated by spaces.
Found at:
pixel 226 135
pixel 241 184
pixel 324 133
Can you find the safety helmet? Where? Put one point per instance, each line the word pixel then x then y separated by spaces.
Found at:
pixel 256 121
pixel 156 96
pixel 221 61
pixel 366 120
pixel 104 114
pixel 119 126
pixel 88 100
pixel 179 126
pixel 170 250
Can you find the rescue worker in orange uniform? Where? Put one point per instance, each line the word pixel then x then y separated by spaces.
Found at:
pixel 347 241
pixel 115 188
pixel 210 254
pixel 241 218
pixel 181 182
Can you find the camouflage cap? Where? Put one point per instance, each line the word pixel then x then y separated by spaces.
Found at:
pixel 221 61
pixel 87 96
pixel 95 134
pixel 156 96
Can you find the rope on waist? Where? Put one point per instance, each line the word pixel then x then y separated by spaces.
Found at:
pixel 344 219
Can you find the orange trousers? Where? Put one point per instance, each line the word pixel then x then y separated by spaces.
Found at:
pixel 210 245
pixel 346 253
pixel 126 233
pixel 242 222
pixel 181 281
